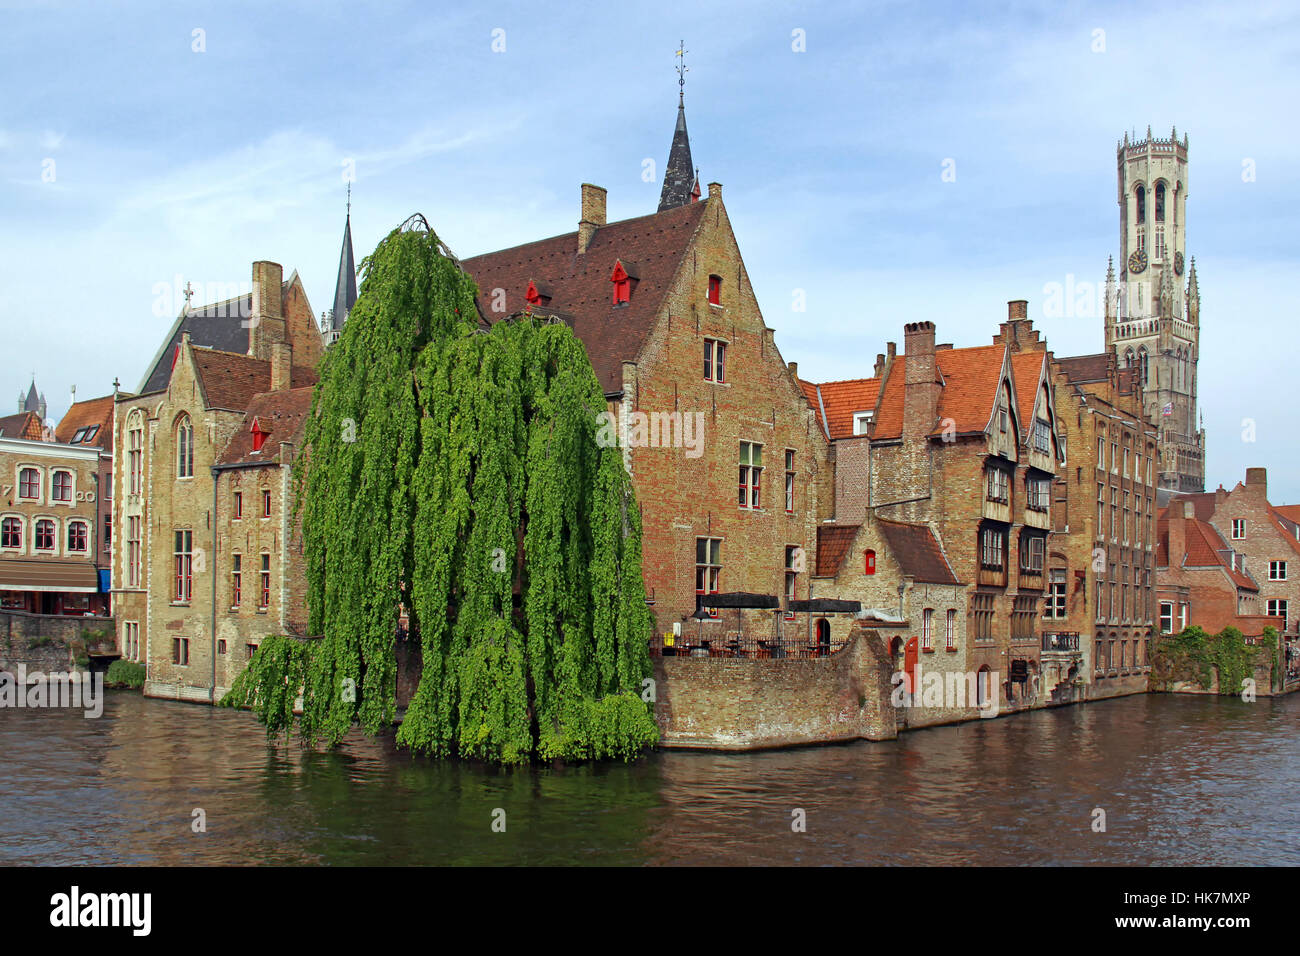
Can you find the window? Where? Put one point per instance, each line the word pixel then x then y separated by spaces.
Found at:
pixel 789 481
pixel 236 579
pixel 1002 420
pixel 221 646
pixel 708 567
pixel 1141 206
pixel 184 589
pixel 927 629
pixel 11 533
pixel 266 502
pixel 1278 608
pixel 1114 458
pixel 862 422
pixel 1101 511
pixel 81 432
pixel 998 485
pixel 1042 436
pixel 1040 490
pixel 1055 605
pixel 135 454
pixel 1238 528
pixel 993 549
pixel 266 581
pixel 950 630
pixel 249 651
pixel 622 285
pixel 1023 614
pixel 133 550
pixel 715 366
pixel 792 555
pixel 184 448
pixel 751 474
pixel 45 535
pixel 62 486
pixel 131 640
pixel 1166 617
pixel 1101 453
pixel 1126 461
pixel 181 650
pixel 77 536
pixel 1277 570
pixel 29 483
pixel 1182 616
pixel 1160 202
pixel 1031 553
pixel 239 505
pixel 982 611
pixel 715 290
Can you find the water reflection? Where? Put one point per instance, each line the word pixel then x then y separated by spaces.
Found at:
pixel 1181 780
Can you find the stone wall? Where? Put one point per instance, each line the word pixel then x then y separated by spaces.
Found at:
pixel 50 643
pixel 732 704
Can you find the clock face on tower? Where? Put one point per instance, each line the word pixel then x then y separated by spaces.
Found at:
pixel 1178 263
pixel 1137 261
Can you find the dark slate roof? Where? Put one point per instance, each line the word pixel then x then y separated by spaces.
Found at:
pixel 917 552
pixel 219 325
pixel 281 415
pixel 580 284
pixel 833 542
pixel 33 401
pixel 231 380
pixel 345 289
pixel 94 412
pixel 679 174
pixel 21 425
pixel 1084 368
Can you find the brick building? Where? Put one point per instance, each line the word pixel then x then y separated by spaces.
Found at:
pixel 199 511
pixel 723 450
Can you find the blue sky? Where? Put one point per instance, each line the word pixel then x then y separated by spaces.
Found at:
pixel 167 162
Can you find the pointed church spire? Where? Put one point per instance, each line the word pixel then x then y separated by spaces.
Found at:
pixel 345 288
pixel 679 174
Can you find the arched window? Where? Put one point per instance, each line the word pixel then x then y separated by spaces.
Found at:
pixel 184 447
pixel 1129 358
pixel 1160 202
pixel 135 452
pixel 1141 206
pixel 29 483
pixel 45 535
pixel 11 533
pixel 983 687
pixel 1142 363
pixel 76 536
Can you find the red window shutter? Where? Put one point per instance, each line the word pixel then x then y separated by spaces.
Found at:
pixel 871 561
pixel 715 290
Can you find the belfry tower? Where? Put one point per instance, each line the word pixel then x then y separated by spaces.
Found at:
pixel 1153 312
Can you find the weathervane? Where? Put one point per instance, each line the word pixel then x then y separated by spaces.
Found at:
pixel 188 292
pixel 682 70
pixel 349 200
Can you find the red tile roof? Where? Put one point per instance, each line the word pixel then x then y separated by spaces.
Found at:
pixel 231 380
pixel 281 415
pixel 92 412
pixel 21 425
pixel 1204 548
pixel 1290 512
pixel 917 552
pixel 970 384
pixel 840 401
pixel 1027 370
pixel 833 542
pixel 580 285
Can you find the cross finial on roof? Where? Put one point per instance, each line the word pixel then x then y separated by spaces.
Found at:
pixel 188 293
pixel 682 70
pixel 349 199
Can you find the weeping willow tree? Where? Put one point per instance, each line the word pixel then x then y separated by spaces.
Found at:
pixel 456 474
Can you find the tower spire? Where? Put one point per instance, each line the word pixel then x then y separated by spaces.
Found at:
pixel 679 174
pixel 345 287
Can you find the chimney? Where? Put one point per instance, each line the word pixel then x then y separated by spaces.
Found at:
pixel 593 214
pixel 880 365
pixel 266 323
pixel 891 349
pixel 920 388
pixel 715 190
pixel 1017 309
pixel 281 363
pixel 1257 480
pixel 1178 516
pixel 794 370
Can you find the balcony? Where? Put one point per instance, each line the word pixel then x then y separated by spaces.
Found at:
pixel 1066 642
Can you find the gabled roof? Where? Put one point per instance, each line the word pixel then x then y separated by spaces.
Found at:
pixel 836 402
pixel 833 542
pixel 1203 502
pixel 218 325
pixel 229 381
pixel 1204 548
pixel 1289 512
pixel 94 413
pixel 969 379
pixel 1084 368
pixel 917 552
pixel 1028 369
pixel 280 414
pixel 580 284
pixel 21 425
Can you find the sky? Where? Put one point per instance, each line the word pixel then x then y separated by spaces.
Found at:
pixel 146 145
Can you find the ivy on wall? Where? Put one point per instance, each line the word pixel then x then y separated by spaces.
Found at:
pixel 1195 656
pixel 454 473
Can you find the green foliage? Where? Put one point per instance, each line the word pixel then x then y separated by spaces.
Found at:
pixel 454 474
pixel 40 641
pixel 1194 656
pixel 125 674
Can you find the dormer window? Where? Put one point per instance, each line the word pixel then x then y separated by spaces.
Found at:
pixel 624 277
pixel 715 290
pixel 537 294
pixel 862 422
pixel 259 435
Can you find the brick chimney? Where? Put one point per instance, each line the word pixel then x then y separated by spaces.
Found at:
pixel 794 370
pixel 879 366
pixel 281 363
pixel 593 214
pixel 1257 481
pixel 920 388
pixel 1178 515
pixel 266 322
pixel 715 190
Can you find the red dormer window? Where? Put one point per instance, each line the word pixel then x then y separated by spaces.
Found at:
pixel 622 285
pixel 715 290
pixel 695 191
pixel 259 436
pixel 537 294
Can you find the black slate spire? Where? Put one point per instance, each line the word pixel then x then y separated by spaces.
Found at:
pixel 345 289
pixel 679 174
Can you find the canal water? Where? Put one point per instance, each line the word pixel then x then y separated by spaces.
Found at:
pixel 1181 780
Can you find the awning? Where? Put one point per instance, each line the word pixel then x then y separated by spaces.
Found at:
pixel 48 574
pixel 825 606
pixel 740 599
